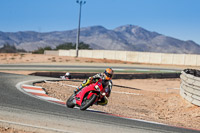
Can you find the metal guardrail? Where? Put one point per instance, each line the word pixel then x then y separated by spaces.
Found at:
pixel 116 76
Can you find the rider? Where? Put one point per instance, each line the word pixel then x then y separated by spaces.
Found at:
pixel 106 77
pixel 67 75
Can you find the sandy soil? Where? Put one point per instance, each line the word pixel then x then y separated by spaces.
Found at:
pixel 38 58
pixel 148 99
pixel 12 130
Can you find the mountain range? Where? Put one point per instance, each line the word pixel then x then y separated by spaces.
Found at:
pixel 126 38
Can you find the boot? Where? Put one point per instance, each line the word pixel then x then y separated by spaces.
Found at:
pixel 78 89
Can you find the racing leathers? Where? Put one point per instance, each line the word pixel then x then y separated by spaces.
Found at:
pixel 107 84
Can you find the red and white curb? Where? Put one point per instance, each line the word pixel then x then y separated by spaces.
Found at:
pixel 40 93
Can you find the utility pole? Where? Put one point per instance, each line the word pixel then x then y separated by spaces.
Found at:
pixel 80 2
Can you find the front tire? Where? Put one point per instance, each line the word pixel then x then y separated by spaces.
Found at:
pixel 70 103
pixel 88 102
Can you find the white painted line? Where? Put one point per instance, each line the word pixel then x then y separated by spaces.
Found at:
pixel 145 121
pixel 143 70
pixel 69 85
pixel 49 98
pixel 49 82
pixel 119 69
pixel 168 70
pixel 61 84
pixel 126 93
pixel 174 88
pixel 34 126
pixel 33 86
pixel 35 91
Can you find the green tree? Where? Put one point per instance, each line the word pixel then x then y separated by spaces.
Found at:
pixel 41 50
pixel 66 46
pixel 84 46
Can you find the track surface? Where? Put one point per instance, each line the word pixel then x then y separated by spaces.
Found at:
pixel 78 67
pixel 21 108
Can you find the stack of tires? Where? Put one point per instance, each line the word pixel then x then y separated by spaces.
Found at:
pixel 190 86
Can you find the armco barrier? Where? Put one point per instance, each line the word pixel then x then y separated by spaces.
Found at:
pixel 136 57
pixel 116 76
pixel 190 86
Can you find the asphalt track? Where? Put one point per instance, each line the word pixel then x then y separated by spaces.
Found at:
pixel 80 67
pixel 27 111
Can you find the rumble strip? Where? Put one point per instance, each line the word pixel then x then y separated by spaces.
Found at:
pixel 40 93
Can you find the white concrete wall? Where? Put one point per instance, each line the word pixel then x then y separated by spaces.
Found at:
pixel 155 58
pixel 121 55
pixel 191 60
pixel 51 52
pixel 178 59
pixel 108 54
pixel 143 57
pixel 132 56
pixel 136 57
pixel 198 60
pixel 64 53
pixel 98 54
pixel 85 53
pixel 167 58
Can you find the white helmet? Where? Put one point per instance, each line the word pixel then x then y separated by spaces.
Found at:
pixel 67 74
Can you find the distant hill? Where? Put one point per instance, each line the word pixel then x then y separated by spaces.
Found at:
pixel 127 37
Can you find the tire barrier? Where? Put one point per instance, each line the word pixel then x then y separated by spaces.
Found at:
pixel 190 86
pixel 116 76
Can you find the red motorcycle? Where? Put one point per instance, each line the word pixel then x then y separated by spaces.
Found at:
pixel 87 96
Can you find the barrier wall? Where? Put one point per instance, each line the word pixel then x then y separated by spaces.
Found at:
pixel 136 57
pixel 190 88
pixel 84 75
pixel 51 52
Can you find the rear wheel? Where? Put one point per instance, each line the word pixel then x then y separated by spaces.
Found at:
pixel 88 102
pixel 70 103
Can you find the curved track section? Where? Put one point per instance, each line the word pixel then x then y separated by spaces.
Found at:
pixel 17 108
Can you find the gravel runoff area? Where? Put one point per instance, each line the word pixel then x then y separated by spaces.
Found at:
pixel 155 100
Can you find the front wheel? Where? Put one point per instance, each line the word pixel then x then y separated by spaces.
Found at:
pixel 70 103
pixel 88 102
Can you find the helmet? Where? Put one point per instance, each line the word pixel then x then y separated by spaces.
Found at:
pixel 108 74
pixel 67 74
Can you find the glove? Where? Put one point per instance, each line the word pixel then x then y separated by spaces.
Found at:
pixel 90 79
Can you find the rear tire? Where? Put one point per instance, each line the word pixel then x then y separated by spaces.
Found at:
pixel 69 102
pixel 88 102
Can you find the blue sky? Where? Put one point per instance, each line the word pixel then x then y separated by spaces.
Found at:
pixel 175 18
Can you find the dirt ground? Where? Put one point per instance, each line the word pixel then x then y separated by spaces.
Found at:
pixel 12 130
pixel 155 100
pixel 38 58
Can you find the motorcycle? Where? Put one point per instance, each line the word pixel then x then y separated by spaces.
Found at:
pixel 88 96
